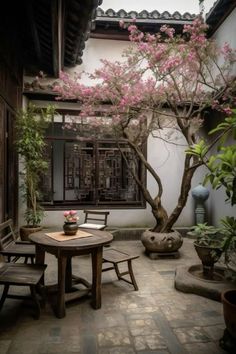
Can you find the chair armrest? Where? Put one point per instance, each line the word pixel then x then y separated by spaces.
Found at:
pixel 23 242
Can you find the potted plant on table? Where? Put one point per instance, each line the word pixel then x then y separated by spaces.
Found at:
pixel 70 226
pixel 162 89
pixel 30 127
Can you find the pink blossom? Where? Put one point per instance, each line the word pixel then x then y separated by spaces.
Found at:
pixel 153 71
pixel 70 215
pixel 150 38
pixel 122 23
pixel 132 28
pixel 168 31
pixel 227 110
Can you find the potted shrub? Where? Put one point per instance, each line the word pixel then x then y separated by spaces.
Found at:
pixel 162 88
pixel 222 173
pixel 208 245
pixel 221 167
pixel 228 297
pixel 30 127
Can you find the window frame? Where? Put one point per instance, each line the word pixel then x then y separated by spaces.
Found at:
pixel 54 205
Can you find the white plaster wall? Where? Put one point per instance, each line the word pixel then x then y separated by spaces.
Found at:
pixel 225 33
pixel 167 159
pixel 95 50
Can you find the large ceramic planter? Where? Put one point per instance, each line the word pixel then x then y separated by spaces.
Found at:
pixel 159 243
pixel 25 231
pixel 208 256
pixel 228 341
pixel 228 299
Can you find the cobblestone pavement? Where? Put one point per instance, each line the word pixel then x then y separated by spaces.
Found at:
pixel 156 319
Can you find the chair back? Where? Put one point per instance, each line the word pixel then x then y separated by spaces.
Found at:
pixel 7 235
pixel 96 217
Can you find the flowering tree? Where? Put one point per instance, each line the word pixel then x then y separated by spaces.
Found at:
pixel 164 83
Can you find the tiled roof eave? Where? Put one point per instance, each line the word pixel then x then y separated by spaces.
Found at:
pixel 218 13
pixel 144 15
pixel 142 21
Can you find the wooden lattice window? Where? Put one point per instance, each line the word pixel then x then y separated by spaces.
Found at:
pixel 85 171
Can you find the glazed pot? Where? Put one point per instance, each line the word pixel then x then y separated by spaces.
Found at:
pixel 228 299
pixel 70 228
pixel 25 231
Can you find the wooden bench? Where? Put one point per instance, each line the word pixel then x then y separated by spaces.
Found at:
pixel 18 274
pixel 115 256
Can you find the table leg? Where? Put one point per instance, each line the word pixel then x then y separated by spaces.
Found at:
pixel 40 259
pixel 97 277
pixel 61 308
pixel 68 280
pixel 40 255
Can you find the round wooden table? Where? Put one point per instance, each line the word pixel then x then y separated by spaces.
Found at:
pixel 64 251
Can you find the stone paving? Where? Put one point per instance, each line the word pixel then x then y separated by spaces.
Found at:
pixel 156 319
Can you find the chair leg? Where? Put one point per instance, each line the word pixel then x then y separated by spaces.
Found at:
pixel 132 275
pixel 4 295
pixel 130 272
pixel 32 259
pixel 117 271
pixel 36 301
pixel 26 260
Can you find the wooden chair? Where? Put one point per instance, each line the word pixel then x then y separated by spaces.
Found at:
pixel 13 249
pixel 95 219
pixel 115 256
pixel 19 274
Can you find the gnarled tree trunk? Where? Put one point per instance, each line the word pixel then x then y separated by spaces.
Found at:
pixel 182 200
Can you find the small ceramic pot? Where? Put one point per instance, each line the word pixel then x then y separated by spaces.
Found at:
pixel 70 228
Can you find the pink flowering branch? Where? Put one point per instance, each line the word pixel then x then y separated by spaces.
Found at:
pixel 164 82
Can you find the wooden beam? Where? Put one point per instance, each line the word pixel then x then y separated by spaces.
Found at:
pixel 31 18
pixel 113 36
pixel 57 24
pixel 216 24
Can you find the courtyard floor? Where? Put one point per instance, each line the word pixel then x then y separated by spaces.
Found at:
pixel 156 319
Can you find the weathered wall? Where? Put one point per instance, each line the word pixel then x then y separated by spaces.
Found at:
pixel 166 159
pixel 225 33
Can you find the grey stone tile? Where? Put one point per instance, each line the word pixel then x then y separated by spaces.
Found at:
pixel 117 336
pixel 24 346
pixel 215 332
pixel 149 342
pixel 156 319
pixel 191 335
pixel 153 352
pixel 4 346
pixel 117 350
pixel 204 348
pixel 166 331
pixel 88 343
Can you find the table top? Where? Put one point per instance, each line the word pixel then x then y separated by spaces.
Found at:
pixel 99 238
